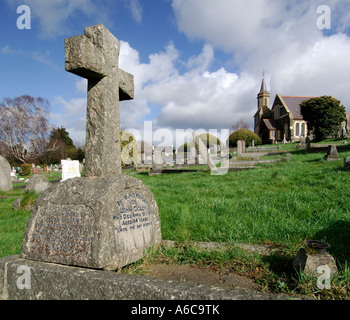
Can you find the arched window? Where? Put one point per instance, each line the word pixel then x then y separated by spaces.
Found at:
pixel 297 130
pixel 303 129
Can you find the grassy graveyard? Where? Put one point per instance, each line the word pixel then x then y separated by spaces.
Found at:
pixel 280 205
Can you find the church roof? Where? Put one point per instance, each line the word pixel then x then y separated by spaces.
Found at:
pixel 272 124
pixel 293 104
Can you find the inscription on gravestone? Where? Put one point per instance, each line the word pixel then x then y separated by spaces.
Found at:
pixel 62 232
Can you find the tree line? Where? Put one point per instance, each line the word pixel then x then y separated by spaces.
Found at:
pixel 27 137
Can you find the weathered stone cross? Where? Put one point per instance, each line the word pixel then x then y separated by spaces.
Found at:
pixel 95 56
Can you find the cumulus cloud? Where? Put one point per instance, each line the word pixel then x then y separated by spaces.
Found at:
pixel 280 36
pixel 195 98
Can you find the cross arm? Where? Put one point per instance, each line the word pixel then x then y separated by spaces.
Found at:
pixel 126 85
pixel 82 58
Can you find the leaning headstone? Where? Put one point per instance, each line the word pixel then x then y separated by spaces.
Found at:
pixel 347 163
pixel 70 169
pixel 332 154
pixel 37 183
pixel 5 175
pixel 104 220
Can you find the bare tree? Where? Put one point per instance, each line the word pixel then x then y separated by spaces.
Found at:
pixel 241 124
pixel 24 127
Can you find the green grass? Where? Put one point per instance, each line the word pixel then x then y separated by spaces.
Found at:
pixel 12 223
pixel 282 204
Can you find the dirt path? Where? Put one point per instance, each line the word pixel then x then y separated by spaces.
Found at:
pixel 199 276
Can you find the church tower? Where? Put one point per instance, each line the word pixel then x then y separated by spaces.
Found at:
pixel 263 96
pixel 263 105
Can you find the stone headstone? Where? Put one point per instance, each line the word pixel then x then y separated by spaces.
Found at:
pixel 70 169
pixel 13 176
pixel 157 163
pixel 104 220
pixel 332 154
pixel 37 183
pixel 239 148
pixel 95 56
pixel 104 223
pixel 5 175
pixel 308 144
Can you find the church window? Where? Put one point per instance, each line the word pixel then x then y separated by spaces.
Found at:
pixel 297 130
pixel 303 129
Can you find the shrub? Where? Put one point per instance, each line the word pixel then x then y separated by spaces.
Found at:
pixel 244 134
pixel 186 147
pixel 209 139
pixel 26 169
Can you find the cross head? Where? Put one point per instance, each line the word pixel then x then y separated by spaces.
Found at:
pixel 94 56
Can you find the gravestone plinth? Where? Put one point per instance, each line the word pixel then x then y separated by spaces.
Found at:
pixel 102 223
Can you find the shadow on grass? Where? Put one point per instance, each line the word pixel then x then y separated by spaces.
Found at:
pixel 338 236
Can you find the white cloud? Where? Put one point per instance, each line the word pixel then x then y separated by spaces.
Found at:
pixel 135 8
pixel 281 37
pixel 195 99
pixel 54 14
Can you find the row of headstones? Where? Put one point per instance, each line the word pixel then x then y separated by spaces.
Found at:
pixel 70 169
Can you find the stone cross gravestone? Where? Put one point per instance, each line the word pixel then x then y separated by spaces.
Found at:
pixel 70 169
pixel 5 175
pixel 104 220
pixel 95 56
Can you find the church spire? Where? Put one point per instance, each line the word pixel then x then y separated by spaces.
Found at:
pixel 263 96
pixel 263 88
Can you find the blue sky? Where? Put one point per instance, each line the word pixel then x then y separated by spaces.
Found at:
pixel 196 63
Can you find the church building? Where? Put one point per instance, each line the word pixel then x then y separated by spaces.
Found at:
pixel 283 121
